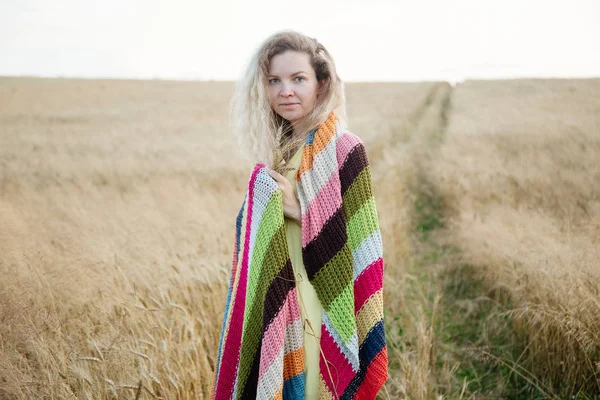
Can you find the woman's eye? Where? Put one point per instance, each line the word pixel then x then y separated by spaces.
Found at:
pixel 274 80
pixel 299 78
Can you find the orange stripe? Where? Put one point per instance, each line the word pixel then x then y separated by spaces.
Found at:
pixel 279 395
pixel 322 136
pixel 293 363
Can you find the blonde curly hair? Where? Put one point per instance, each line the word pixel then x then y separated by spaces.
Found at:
pixel 263 135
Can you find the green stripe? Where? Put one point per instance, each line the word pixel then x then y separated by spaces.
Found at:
pixel 341 313
pixel 358 192
pixel 363 223
pixel 335 275
pixel 272 221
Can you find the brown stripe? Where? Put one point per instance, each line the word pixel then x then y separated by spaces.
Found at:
pixel 277 293
pixel 251 384
pixel 326 244
pixel 354 163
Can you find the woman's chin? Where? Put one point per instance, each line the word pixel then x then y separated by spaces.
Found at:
pixel 291 116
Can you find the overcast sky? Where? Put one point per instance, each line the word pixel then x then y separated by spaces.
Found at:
pixel 370 40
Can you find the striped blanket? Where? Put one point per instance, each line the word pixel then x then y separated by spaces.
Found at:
pixel 261 353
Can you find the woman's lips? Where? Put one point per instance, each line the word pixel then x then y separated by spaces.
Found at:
pixel 289 105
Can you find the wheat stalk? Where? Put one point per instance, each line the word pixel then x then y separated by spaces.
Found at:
pixel 285 150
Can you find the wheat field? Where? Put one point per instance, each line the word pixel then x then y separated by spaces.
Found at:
pixel 520 174
pixel 117 209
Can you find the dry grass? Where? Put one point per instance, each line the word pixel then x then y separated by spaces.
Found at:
pixel 520 175
pixel 117 214
pixel 112 277
pixel 118 203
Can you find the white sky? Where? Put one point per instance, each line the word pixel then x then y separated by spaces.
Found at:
pixel 370 40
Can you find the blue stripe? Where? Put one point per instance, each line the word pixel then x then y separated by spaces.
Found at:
pixel 293 388
pixel 238 227
pixel 311 136
pixel 372 345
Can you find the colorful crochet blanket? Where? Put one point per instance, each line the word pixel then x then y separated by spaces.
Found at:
pixel 261 353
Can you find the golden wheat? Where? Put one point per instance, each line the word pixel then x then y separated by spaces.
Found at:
pixel 521 179
pixel 117 212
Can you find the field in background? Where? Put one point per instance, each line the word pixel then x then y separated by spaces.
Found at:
pixel 519 172
pixel 117 207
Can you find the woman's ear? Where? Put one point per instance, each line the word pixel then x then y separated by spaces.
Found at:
pixel 321 86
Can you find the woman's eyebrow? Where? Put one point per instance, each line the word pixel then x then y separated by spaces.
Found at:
pixel 295 73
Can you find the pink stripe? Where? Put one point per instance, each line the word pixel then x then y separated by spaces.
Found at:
pixel 345 144
pixel 340 368
pixel 321 208
pixel 231 351
pixel 272 341
pixel 367 283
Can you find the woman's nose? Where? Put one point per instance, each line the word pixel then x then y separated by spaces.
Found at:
pixel 286 90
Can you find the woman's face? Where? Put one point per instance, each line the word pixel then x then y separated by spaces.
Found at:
pixel 292 85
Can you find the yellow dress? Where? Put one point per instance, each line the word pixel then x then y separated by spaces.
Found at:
pixel 310 306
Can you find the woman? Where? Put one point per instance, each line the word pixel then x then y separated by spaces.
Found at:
pixel 304 311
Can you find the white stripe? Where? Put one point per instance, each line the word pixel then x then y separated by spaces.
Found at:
pixel 313 179
pixel 293 337
pixel 272 380
pixel 367 252
pixel 264 187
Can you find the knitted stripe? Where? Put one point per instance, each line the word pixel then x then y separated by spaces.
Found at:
pixel 311 183
pixel 265 222
pixel 342 316
pixel 324 391
pixel 348 348
pixel 316 142
pixel 370 360
pixel 368 315
pixel 367 283
pixel 361 225
pixel 363 256
pixel 366 384
pixel 355 195
pixel 341 370
pixel 275 335
pixel 328 196
pixel 268 233
pixel 228 373
pixel 270 384
pixel 331 240
pixel 294 388
pixel 338 279
pixel 325 159
pixel 293 364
